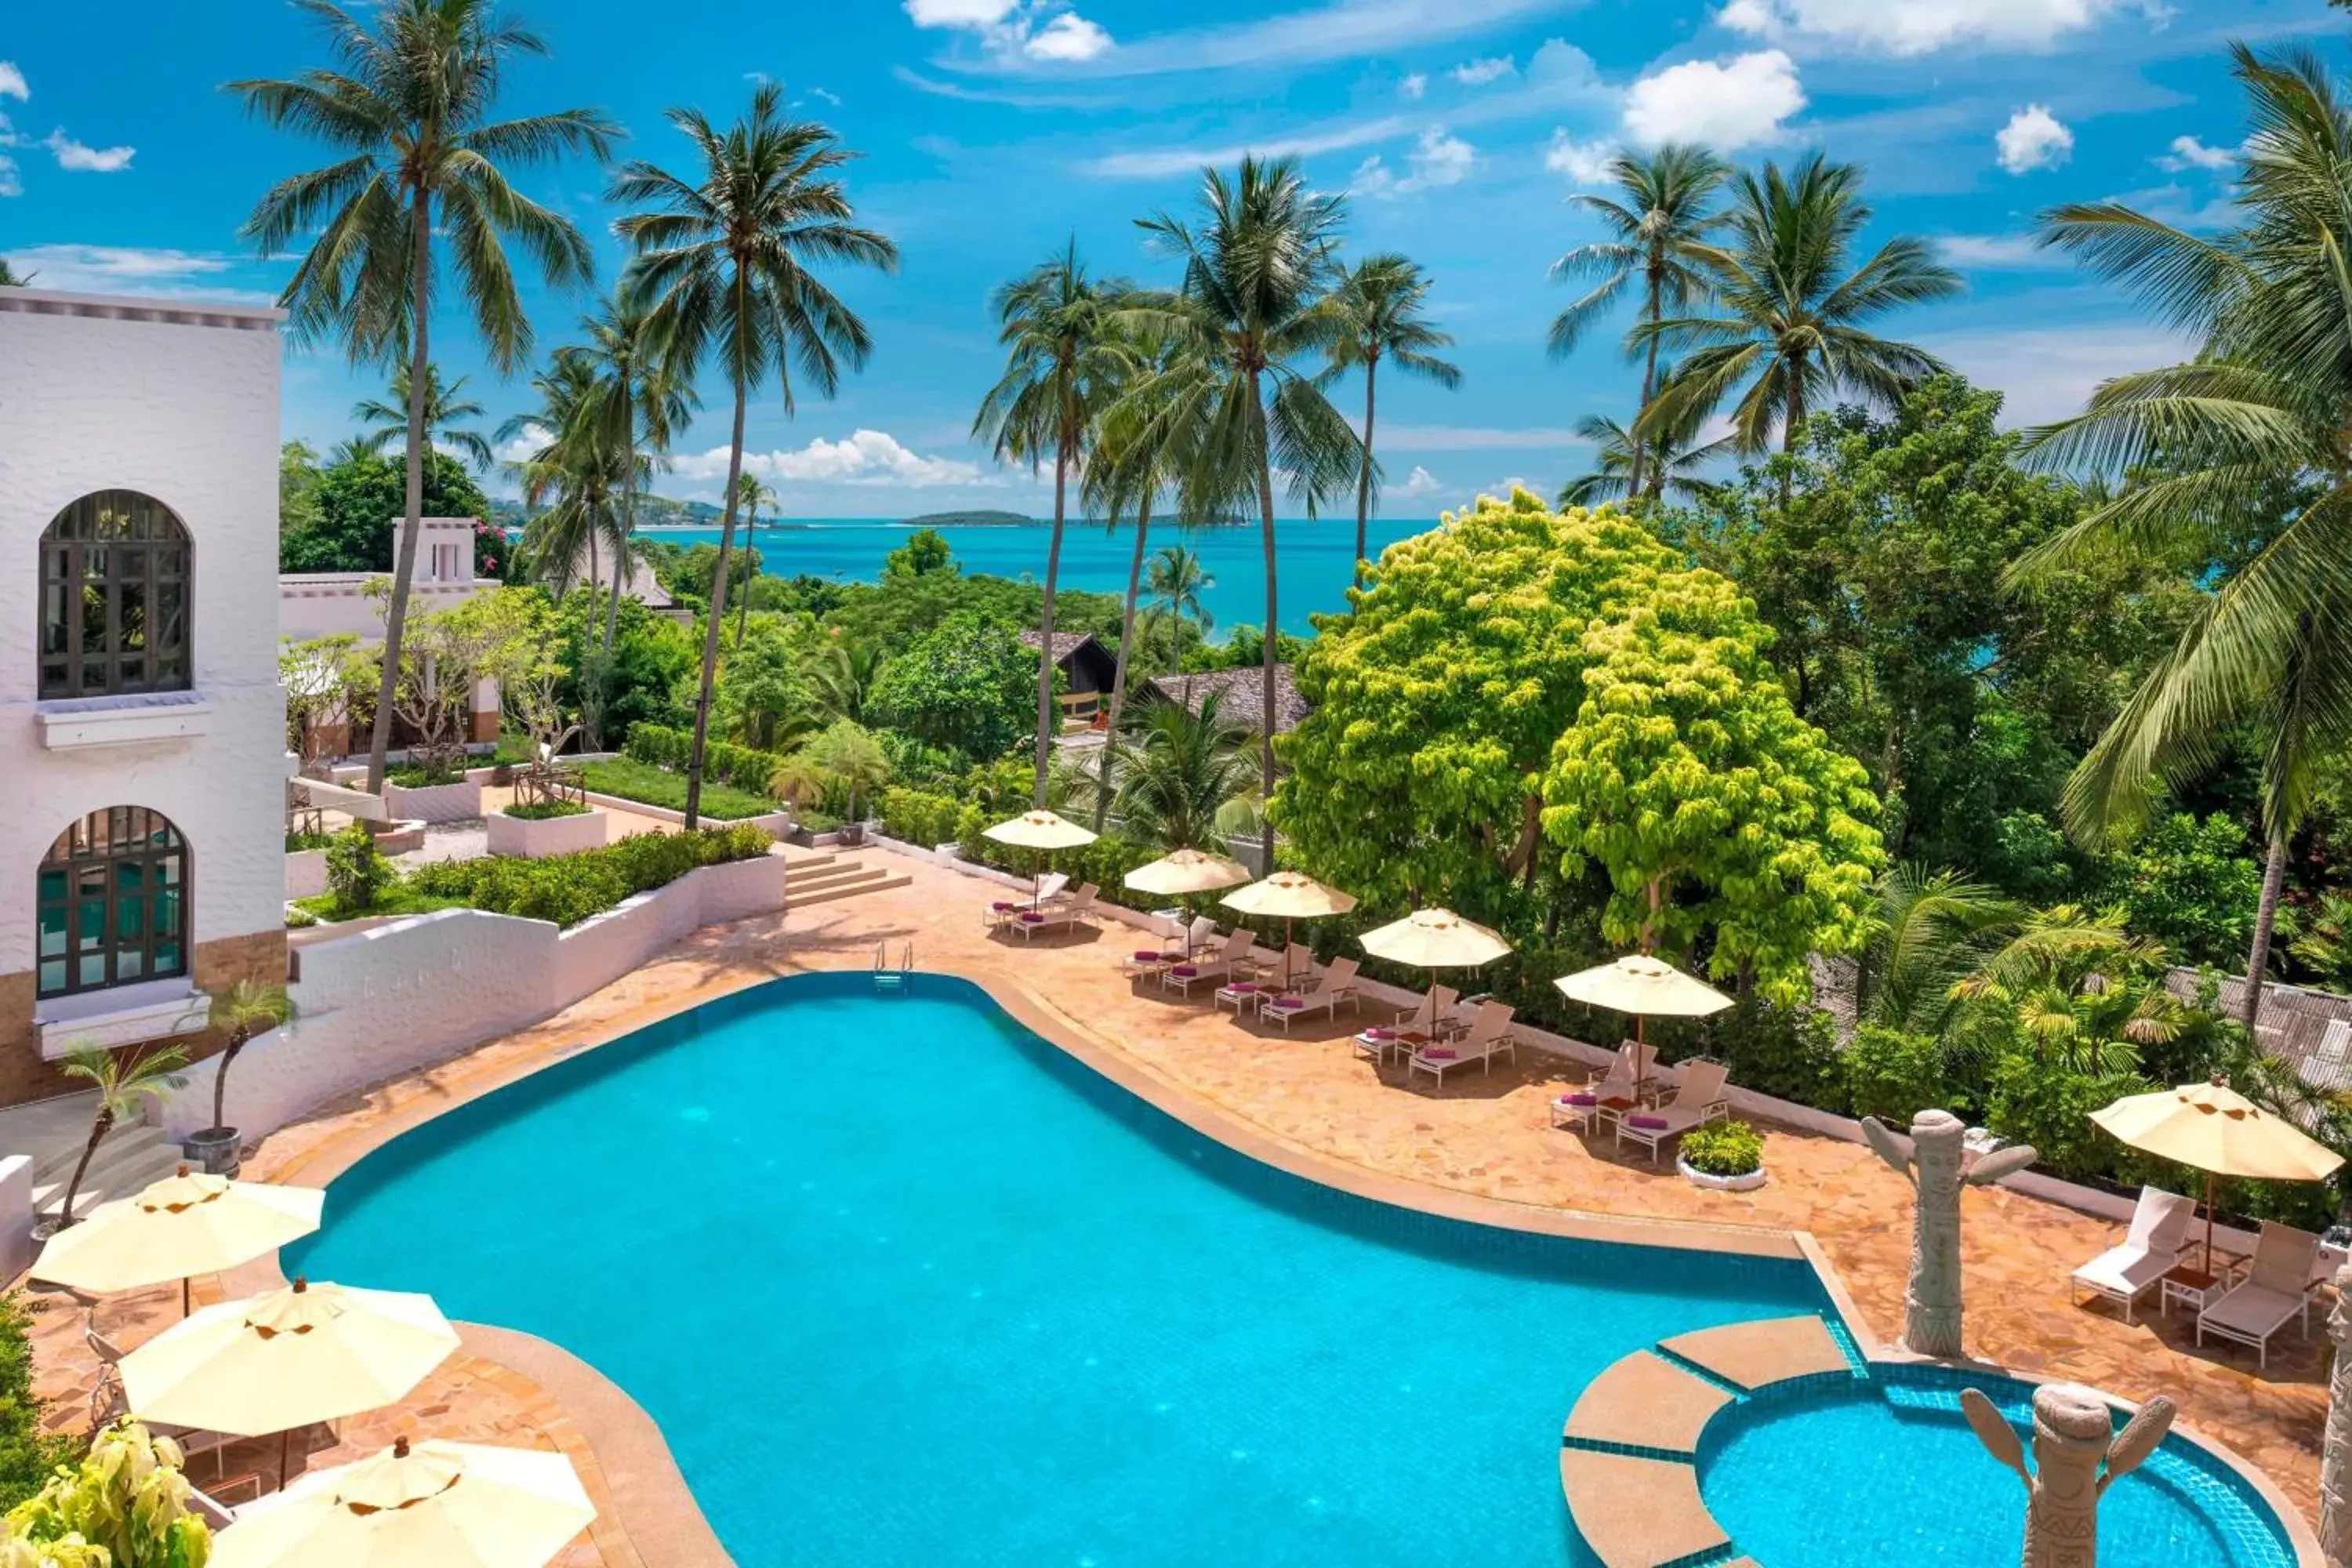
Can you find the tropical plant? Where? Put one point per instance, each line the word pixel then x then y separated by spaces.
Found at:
pixel 1379 301
pixel 358 873
pixel 1723 1149
pixel 1661 221
pixel 1668 461
pixel 1067 361
pixel 408 100
pixel 754 495
pixel 1253 301
pixel 2079 988
pixel 2323 941
pixel 1793 327
pixel 1177 771
pixel 853 761
pixel 843 672
pixel 963 686
pixel 1933 930
pixel 724 260
pixel 644 405
pixel 240 1012
pixel 799 780
pixel 126 1505
pixel 2211 444
pixel 125 1081
pixel 1179 585
pixel 576 478
pixel 384 420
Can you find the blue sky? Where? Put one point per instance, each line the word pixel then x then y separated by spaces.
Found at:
pixel 995 130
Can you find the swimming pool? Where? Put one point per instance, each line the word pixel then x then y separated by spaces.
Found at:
pixel 903 1283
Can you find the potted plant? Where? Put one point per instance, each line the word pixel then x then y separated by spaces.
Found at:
pixel 246 1009
pixel 1723 1156
pixel 125 1082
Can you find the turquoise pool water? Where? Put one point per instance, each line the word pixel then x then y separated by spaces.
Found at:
pixel 928 1292
pixel 1937 1498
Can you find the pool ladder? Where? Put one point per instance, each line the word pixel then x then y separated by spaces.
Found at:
pixel 886 978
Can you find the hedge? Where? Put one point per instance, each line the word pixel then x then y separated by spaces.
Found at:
pixel 917 818
pixel 742 767
pixel 569 888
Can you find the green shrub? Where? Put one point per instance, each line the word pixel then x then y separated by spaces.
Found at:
pixel 817 821
pixel 1789 1053
pixel 919 817
pixel 1724 1149
pixel 28 1454
pixel 425 775
pixel 569 888
pixel 125 1504
pixel 743 767
pixel 298 917
pixel 629 779
pixel 1894 1076
pixel 2043 1101
pixel 298 842
pixel 540 810
pixel 357 872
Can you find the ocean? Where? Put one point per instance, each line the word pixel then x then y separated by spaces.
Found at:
pixel 1316 559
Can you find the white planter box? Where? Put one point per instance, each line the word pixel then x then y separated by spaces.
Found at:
pixel 306 873
pixel 1747 1183
pixel 434 803
pixel 535 839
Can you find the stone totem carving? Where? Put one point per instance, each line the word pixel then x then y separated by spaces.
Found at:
pixel 2335 1442
pixel 1932 1305
pixel 2074 1436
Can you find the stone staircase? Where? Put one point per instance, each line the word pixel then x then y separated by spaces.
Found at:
pixel 824 878
pixel 129 1159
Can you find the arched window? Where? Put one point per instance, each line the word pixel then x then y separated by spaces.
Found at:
pixel 114 598
pixel 112 902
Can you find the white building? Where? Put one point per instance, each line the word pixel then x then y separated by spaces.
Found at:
pixel 141 724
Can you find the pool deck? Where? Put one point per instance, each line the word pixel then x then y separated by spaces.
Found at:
pixel 1481 1147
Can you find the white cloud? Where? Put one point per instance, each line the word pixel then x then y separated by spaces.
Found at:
pixel 2046 374
pixel 12 82
pixel 1584 163
pixel 1478 73
pixel 1999 252
pixel 2187 153
pixel 1438 159
pixel 1068 36
pixel 1412 87
pixel 960 13
pixel 11 182
pixel 1420 481
pixel 119 269
pixel 73 154
pixel 1919 27
pixel 532 438
pixel 826 94
pixel 862 458
pixel 1334 30
pixel 1726 104
pixel 2033 139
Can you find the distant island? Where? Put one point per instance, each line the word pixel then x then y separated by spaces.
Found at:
pixel 664 511
pixel 972 520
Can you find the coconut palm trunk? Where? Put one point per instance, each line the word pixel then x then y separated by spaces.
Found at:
pixel 2258 960
pixel 1364 472
pixel 717 615
pixel 1118 673
pixel 743 604
pixel 1267 644
pixel 100 1125
pixel 403 571
pixel 1046 724
pixel 1651 311
pixel 628 517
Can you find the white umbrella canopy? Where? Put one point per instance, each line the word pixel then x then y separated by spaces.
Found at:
pixel 1040 830
pixel 2220 1131
pixel 1645 986
pixel 1289 896
pixel 185 1225
pixel 1434 939
pixel 429 1505
pixel 1187 871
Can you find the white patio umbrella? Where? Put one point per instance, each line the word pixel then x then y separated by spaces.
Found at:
pixel 1645 987
pixel 1293 896
pixel 1181 874
pixel 416 1505
pixel 1043 831
pixel 1434 939
pixel 2217 1131
pixel 185 1225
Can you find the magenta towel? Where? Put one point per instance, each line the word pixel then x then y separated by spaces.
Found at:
pixel 1380 1034
pixel 1579 1100
pixel 1029 917
pixel 1440 1054
pixel 1002 904
pixel 1147 955
pixel 1184 971
pixel 1287 1003
pixel 1649 1122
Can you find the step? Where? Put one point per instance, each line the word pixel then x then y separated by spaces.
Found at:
pixel 827 867
pixel 127 1139
pixel 829 881
pixel 851 890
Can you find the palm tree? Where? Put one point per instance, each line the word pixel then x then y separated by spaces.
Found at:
pixel 1178 588
pixel 1661 225
pixel 12 279
pixel 2080 986
pixel 1933 930
pixel 724 262
pixel 585 462
pixel 1794 315
pixel 1381 299
pixel 2208 446
pixel 755 495
pixel 647 405
pixel 124 1081
pixel 387 418
pixel 245 1009
pixel 408 102
pixel 1670 461
pixel 1067 361
pixel 1253 301
pixel 845 670
pixel 853 760
pixel 1178 770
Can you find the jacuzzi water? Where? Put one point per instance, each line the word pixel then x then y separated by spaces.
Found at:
pixel 903 1283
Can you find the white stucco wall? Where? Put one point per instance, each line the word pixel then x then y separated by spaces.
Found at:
pixel 181 403
pixel 394 997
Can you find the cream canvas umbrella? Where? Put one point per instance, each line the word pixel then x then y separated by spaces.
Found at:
pixel 1293 896
pixel 2220 1132
pixel 1184 872
pixel 1042 831
pixel 181 1226
pixel 276 1362
pixel 416 1505
pixel 1433 940
pixel 1646 988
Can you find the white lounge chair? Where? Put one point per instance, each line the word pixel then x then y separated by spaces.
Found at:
pixel 1379 1041
pixel 2276 1288
pixel 1434 1014
pixel 1056 917
pixel 1318 993
pixel 1489 1036
pixel 1242 996
pixel 2148 1251
pixel 1634 1066
pixel 1176 943
pixel 1214 970
pixel 1698 1097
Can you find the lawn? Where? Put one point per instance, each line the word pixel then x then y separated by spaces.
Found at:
pixel 633 780
pixel 393 901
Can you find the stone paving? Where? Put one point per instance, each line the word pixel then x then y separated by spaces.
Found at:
pixel 1485 1136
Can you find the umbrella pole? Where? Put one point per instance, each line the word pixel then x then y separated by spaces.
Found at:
pixel 285 1448
pixel 1285 953
pixel 2210 1182
pixel 186 1302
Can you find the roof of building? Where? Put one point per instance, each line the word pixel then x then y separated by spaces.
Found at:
pixel 1064 643
pixel 1243 691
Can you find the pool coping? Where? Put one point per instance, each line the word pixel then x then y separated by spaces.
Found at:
pixel 613 1426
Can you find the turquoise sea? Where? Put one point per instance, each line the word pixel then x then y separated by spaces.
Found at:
pixel 1315 558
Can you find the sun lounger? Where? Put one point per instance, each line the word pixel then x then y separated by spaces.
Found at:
pixel 1058 917
pixel 1433 1017
pixel 1318 993
pixel 2148 1251
pixel 2276 1288
pixel 1698 1097
pixel 1489 1036
pixel 1242 996
pixel 1215 969
pixel 1174 946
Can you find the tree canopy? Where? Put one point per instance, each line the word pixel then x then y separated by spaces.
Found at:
pixel 963 686
pixel 343 514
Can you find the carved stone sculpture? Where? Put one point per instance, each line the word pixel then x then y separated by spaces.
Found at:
pixel 1932 1305
pixel 2074 1436
pixel 2335 1442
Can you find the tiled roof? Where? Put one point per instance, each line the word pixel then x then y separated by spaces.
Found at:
pixel 1064 643
pixel 1244 689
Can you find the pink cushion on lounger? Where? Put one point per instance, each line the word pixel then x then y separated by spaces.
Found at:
pixel 1241 985
pixel 1287 1003
pixel 1579 1100
pixel 1003 904
pixel 1647 1122
pixel 1031 917
pixel 1185 971
pixel 1439 1054
pixel 1380 1034
pixel 1147 955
